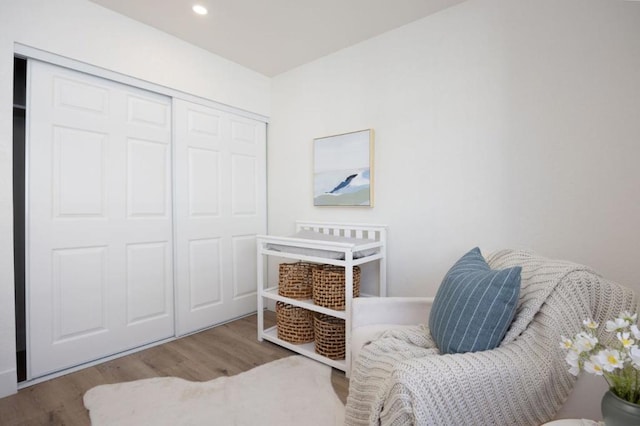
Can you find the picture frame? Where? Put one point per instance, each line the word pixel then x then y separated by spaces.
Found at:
pixel 343 169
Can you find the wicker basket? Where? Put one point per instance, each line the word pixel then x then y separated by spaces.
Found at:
pixel 294 324
pixel 329 286
pixel 330 337
pixel 295 280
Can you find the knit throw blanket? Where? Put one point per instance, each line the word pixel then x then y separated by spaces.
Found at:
pixel 401 379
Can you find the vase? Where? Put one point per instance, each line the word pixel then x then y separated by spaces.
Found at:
pixel 618 412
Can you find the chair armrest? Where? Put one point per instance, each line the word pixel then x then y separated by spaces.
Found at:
pixel 391 310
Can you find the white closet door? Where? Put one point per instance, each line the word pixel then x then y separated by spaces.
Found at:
pixel 100 223
pixel 220 167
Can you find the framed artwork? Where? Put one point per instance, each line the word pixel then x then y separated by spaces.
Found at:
pixel 343 169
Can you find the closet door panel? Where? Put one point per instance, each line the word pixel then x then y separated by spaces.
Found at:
pixel 244 268
pixel 205 273
pixel 100 222
pixel 203 182
pixel 148 283
pixel 79 292
pixel 79 188
pixel 220 207
pixel 244 178
pixel 147 178
pixel 248 206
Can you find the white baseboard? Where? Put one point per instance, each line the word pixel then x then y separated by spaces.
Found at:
pixel 8 383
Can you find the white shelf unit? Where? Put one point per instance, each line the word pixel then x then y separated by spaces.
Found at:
pixel 369 239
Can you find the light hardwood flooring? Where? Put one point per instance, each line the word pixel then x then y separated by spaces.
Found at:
pixel 225 350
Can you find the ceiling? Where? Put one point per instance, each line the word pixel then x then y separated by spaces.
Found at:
pixel 274 36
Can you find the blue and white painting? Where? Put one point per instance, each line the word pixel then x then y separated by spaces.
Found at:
pixel 342 169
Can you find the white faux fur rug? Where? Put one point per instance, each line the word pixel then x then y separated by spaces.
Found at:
pixel 289 391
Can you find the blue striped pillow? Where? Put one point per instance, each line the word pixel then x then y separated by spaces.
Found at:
pixel 474 305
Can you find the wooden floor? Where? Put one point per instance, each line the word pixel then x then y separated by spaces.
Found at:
pixel 225 350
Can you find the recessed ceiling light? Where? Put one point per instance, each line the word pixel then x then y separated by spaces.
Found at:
pixel 199 9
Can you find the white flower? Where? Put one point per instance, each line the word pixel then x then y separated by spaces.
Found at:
pixel 634 353
pixel 609 359
pixel 617 324
pixel 593 366
pixel 624 339
pixel 566 343
pixel 584 342
pixel 581 350
pixel 572 358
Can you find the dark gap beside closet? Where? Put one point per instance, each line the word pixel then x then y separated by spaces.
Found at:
pixel 19 126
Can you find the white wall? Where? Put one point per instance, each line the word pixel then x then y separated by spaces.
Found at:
pixel 85 32
pixel 498 124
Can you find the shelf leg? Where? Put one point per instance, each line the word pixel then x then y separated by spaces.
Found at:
pixel 348 278
pixel 261 271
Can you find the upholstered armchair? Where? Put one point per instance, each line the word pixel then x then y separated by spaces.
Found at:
pixel 399 377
